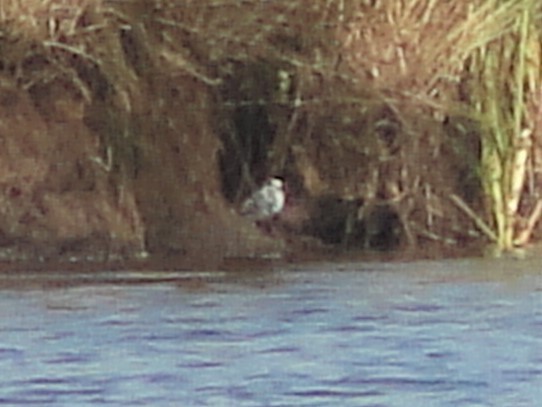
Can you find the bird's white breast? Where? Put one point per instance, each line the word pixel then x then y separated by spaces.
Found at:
pixel 266 202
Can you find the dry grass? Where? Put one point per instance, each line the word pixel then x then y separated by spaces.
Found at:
pixel 478 59
pixel 355 94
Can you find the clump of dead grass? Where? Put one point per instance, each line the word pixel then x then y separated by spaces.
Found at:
pixel 478 60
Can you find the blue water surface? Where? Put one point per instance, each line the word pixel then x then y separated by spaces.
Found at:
pixel 452 333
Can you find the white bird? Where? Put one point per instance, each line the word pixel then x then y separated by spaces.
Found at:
pixel 266 202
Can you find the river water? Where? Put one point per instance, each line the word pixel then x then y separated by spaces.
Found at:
pixel 451 333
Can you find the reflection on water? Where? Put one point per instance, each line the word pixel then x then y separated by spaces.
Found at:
pixel 462 333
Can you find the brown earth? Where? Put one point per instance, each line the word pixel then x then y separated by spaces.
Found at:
pixel 134 129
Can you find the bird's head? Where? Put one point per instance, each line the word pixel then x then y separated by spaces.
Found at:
pixel 276 182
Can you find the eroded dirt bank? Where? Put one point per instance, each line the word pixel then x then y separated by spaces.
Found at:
pixel 133 130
